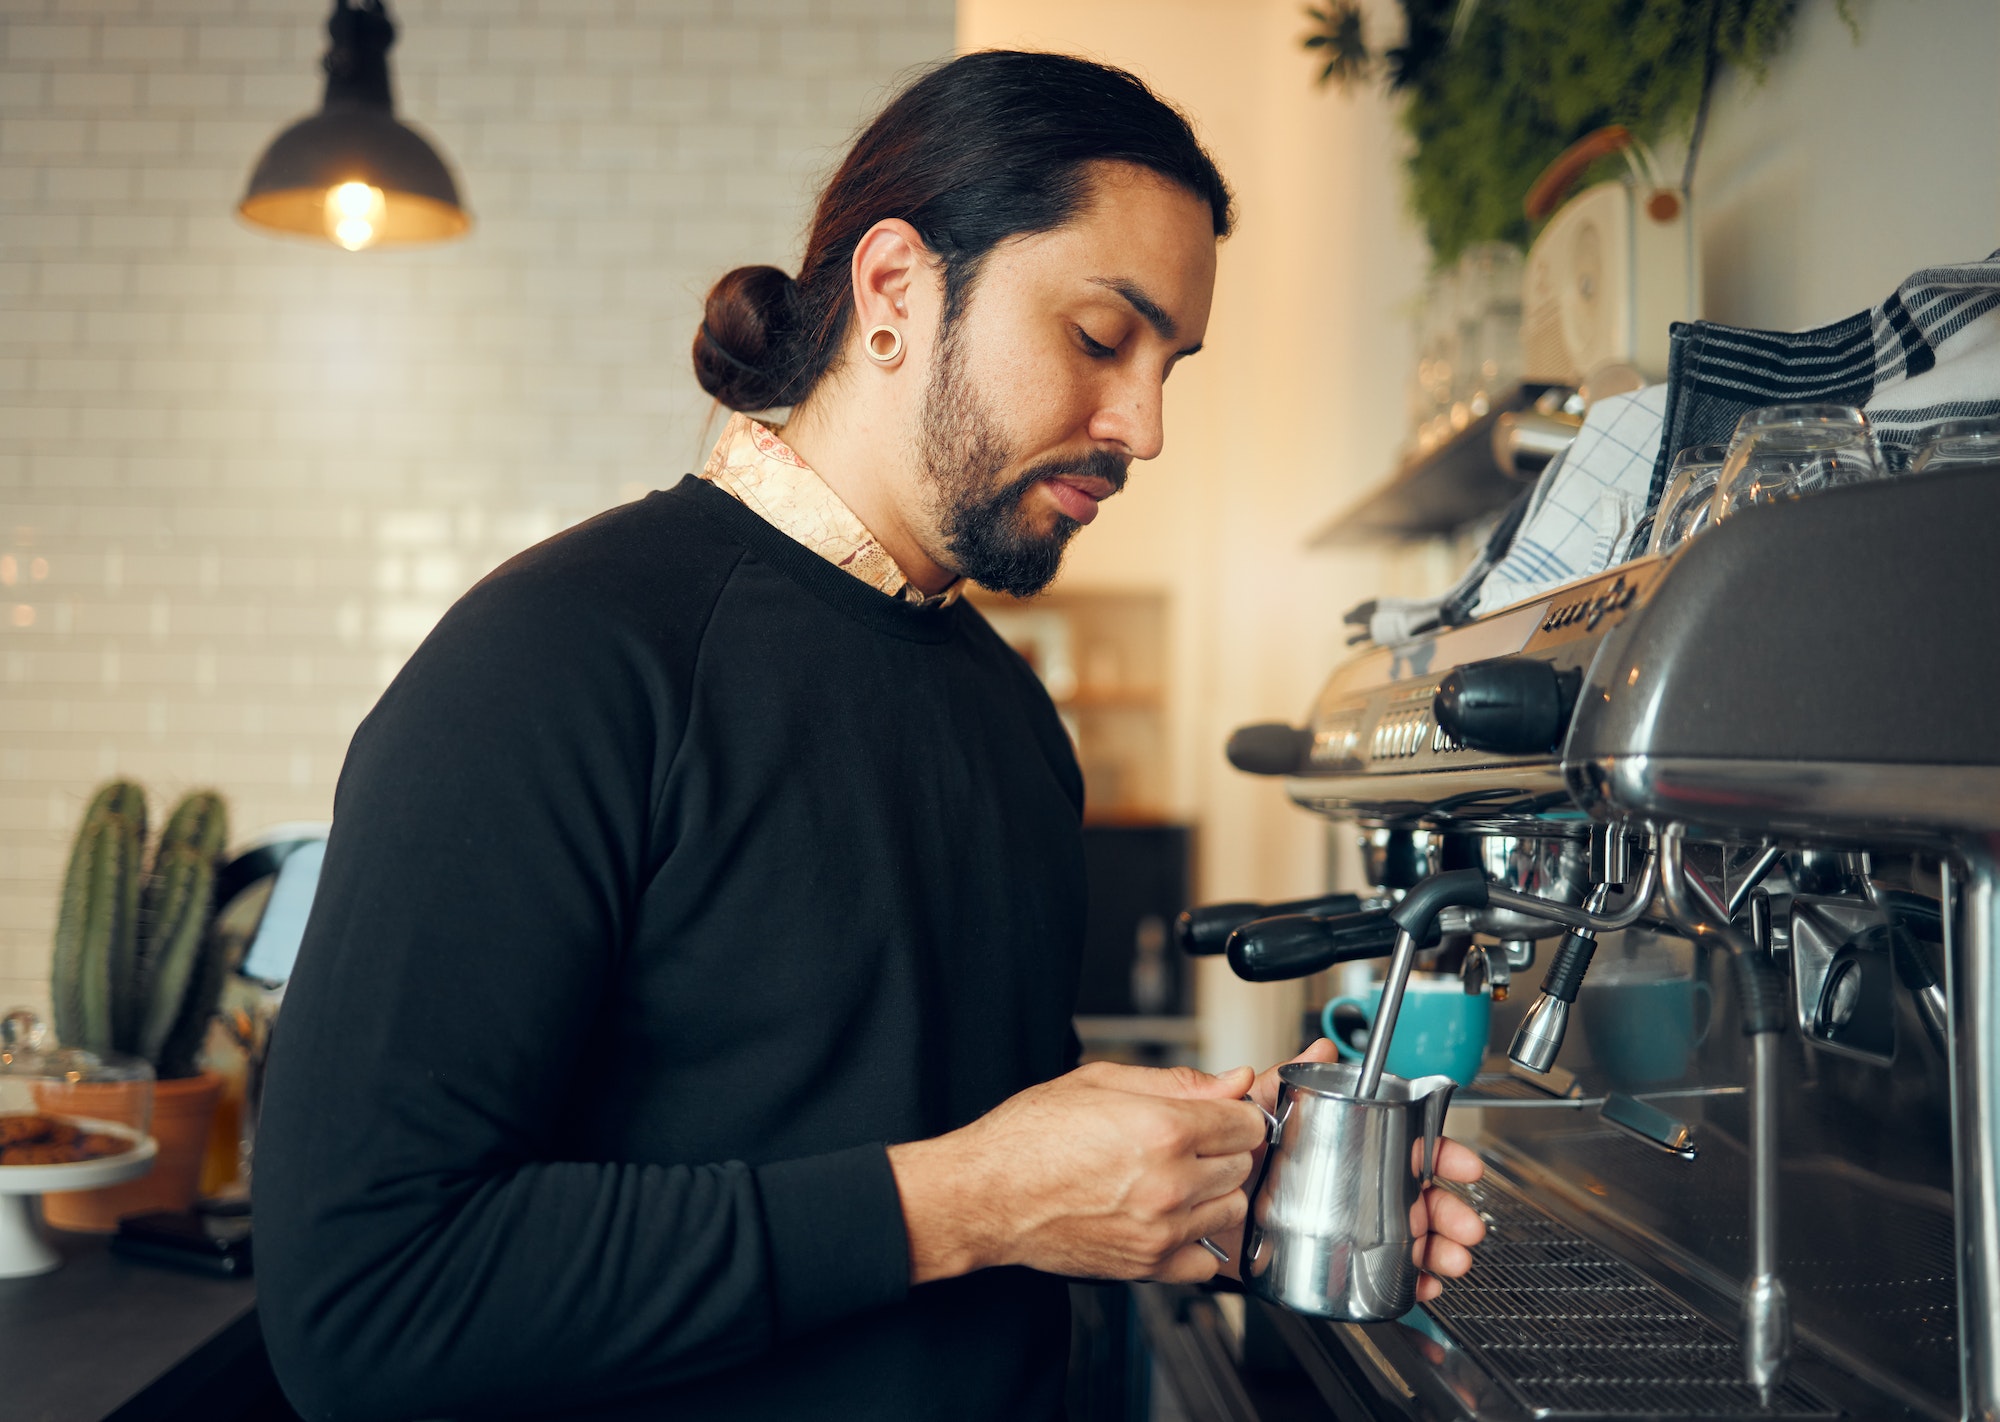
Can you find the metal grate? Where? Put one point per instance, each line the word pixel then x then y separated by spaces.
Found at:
pixel 1572 1331
pixel 1879 1281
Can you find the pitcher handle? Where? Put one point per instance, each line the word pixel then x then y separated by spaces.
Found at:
pixel 1270 1122
pixel 1436 1103
pixel 1270 1139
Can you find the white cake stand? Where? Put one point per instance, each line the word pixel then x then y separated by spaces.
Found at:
pixel 23 1251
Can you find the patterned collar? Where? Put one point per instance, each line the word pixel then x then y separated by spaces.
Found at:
pixel 760 471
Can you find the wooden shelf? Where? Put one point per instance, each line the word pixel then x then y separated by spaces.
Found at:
pixel 1103 656
pixel 1438 492
pixel 1126 816
pixel 1121 698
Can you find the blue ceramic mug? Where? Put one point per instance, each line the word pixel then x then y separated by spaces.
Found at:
pixel 1644 1031
pixel 1441 1030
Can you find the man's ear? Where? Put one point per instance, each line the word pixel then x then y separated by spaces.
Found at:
pixel 890 263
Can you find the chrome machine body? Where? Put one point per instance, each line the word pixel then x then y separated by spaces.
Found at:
pixel 1754 786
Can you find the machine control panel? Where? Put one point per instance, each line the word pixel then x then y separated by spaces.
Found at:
pixel 1400 734
pixel 1379 715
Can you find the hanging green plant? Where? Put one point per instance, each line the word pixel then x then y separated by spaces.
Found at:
pixel 1338 30
pixel 1494 91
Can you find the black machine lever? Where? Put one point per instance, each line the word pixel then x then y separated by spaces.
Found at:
pixel 1269 748
pixel 1297 945
pixel 1201 932
pixel 1507 705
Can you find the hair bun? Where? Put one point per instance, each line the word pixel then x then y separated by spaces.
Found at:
pixel 745 348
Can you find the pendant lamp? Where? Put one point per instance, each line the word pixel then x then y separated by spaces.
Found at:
pixel 351 174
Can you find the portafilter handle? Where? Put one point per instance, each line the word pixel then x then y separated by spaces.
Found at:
pixel 1271 950
pixel 1269 748
pixel 1202 932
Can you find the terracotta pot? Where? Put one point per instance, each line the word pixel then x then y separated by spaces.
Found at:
pixel 183 1111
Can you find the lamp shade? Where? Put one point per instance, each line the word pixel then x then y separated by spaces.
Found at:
pixel 352 173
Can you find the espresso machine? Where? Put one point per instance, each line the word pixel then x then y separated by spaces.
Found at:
pixel 1719 833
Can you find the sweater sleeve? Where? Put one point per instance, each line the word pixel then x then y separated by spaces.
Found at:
pixel 422 1247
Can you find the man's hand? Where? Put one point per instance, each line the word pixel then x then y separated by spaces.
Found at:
pixel 1109 1172
pixel 1445 1226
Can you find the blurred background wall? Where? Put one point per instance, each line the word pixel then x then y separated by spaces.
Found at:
pixel 240 477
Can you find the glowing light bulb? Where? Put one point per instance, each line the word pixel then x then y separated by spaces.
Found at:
pixel 354 213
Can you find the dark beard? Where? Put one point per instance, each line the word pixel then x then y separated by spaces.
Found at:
pixel 987 537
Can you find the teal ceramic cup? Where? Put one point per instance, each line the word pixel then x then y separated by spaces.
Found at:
pixel 1441 1030
pixel 1644 1031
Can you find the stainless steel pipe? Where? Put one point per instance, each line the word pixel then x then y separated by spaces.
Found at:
pixel 1583 919
pixel 1700 913
pixel 1385 1015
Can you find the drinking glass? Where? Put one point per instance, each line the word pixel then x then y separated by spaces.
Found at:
pixel 1788 451
pixel 1685 507
pixel 1489 316
pixel 1959 443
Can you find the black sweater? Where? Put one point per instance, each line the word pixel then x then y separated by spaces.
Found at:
pixel 677 874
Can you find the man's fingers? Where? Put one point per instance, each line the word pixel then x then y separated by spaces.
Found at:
pixel 1190 1264
pixel 1457 1162
pixel 1218 1216
pixel 1218 1175
pixel 1229 1127
pixel 1443 1257
pixel 1454 1161
pixel 1438 1211
pixel 1265 1091
pixel 1428 1288
pixel 1454 1219
pixel 1234 1083
pixel 1322 1050
pixel 1182 1082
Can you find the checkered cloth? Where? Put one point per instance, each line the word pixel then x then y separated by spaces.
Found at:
pixel 1586 506
pixel 1928 354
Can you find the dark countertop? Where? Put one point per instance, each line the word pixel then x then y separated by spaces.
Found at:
pixel 105 1337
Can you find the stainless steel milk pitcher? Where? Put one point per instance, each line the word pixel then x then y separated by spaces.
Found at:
pixel 1329 1231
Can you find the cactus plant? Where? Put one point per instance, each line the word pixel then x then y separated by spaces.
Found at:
pixel 97 926
pixel 137 966
pixel 176 990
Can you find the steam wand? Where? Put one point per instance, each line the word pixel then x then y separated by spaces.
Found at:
pixel 1697 911
pixel 1540 1035
pixel 1414 918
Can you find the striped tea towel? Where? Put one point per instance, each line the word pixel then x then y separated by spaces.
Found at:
pixel 1928 354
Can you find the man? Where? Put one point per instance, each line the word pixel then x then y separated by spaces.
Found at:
pixel 683 1024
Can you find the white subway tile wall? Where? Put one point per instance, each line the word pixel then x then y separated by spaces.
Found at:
pixel 241 477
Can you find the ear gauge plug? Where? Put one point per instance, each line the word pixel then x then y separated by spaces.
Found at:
pixel 885 344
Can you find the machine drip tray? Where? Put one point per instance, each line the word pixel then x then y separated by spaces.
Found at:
pixel 1570 1330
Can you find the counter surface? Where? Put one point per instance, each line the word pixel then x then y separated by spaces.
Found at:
pixel 105 1336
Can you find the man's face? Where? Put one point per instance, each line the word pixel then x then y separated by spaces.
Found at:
pixel 1049 383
